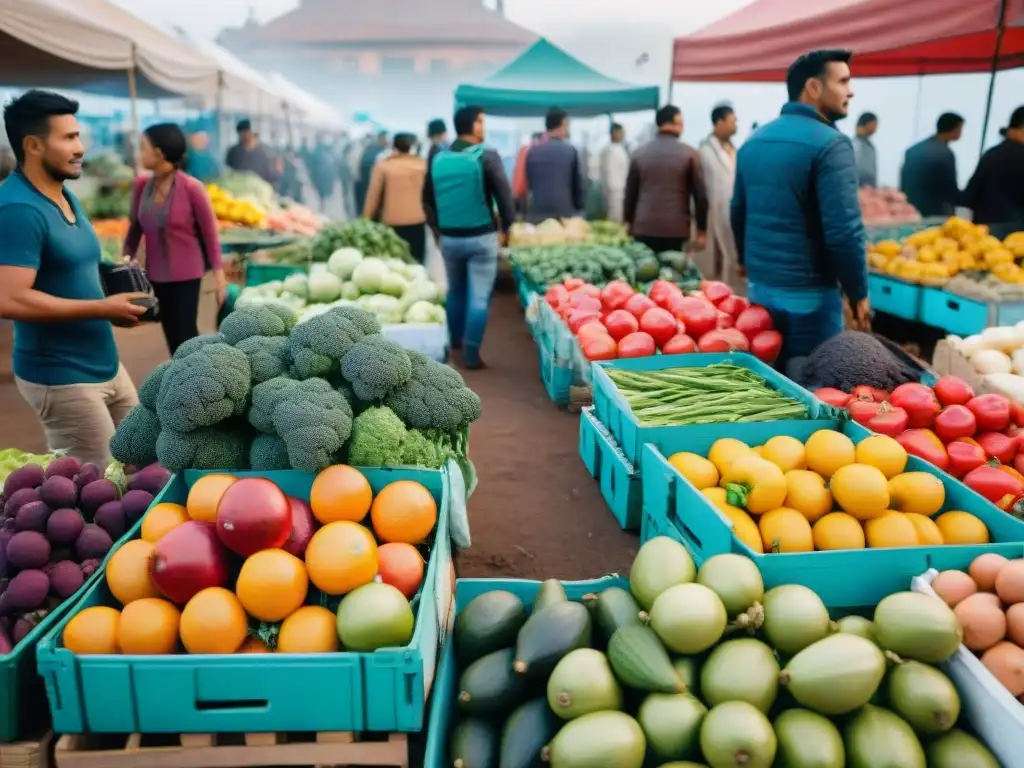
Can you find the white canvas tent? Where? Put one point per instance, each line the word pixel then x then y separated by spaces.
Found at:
pixel 243 89
pixel 310 110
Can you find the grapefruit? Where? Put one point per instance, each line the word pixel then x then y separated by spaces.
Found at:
pixel 94 630
pixel 401 566
pixel 128 572
pixel 375 616
pixel 311 629
pixel 340 557
pixel 339 493
pixel 272 584
pixel 213 621
pixel 205 495
pixel 148 626
pixel 404 511
pixel 162 519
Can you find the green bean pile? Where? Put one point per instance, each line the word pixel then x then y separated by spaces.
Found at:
pixel 715 394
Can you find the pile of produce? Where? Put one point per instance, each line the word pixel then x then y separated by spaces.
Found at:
pixel 575 230
pixel 58 525
pixel 974 438
pixel 265 393
pixel 885 207
pixel 244 199
pixel 295 253
pixel 705 666
pixel 13 458
pixel 617 321
pixel 934 255
pixel 997 355
pixel 393 290
pixel 988 600
pixel 243 568
pixel 826 494
pixel 244 185
pixel 243 211
pixel 367 237
pixel 634 264
pixel 713 394
pixel 986 287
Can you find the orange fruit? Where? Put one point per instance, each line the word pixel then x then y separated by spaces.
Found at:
pixel 213 621
pixel 404 511
pixel 838 530
pixel 253 644
pixel 785 530
pixel 311 629
pixel 891 529
pixel 340 557
pixel 928 533
pixel 401 566
pixel 161 519
pixel 962 528
pixel 204 496
pixel 94 630
pixel 128 572
pixel 340 493
pixel 148 626
pixel 272 584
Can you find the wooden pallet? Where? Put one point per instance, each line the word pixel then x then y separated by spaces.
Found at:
pixel 232 750
pixel 27 754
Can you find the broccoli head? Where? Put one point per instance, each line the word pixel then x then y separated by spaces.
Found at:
pixel 435 397
pixel 314 420
pixel 268 356
pixel 224 446
pixel 418 450
pixel 265 397
pixel 377 438
pixel 204 388
pixel 375 366
pixel 149 389
pixel 318 345
pixel 134 442
pixel 268 319
pixel 189 346
pixel 268 452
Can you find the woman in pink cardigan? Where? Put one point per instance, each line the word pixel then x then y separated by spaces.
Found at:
pixel 172 211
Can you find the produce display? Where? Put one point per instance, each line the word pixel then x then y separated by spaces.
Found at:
pixel 704 665
pixel 826 494
pixel 12 459
pixel 393 290
pixel 59 522
pixel 885 207
pixel 988 600
pixel 634 263
pixel 997 356
pixel 307 576
pixel 266 393
pixel 617 321
pixel 258 210
pixel 575 230
pixel 367 237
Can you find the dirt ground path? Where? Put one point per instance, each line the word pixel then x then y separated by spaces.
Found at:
pixel 536 513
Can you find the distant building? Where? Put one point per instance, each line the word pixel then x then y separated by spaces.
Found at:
pixel 392 59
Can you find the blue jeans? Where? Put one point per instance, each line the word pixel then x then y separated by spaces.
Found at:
pixel 802 327
pixel 471 264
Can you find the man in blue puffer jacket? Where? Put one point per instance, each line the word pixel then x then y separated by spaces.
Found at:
pixel 795 212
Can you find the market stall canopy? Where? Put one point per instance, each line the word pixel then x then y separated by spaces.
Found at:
pixel 90 45
pixel 889 38
pixel 244 90
pixel 308 109
pixel 545 76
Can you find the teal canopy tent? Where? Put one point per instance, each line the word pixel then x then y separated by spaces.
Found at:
pixel 545 76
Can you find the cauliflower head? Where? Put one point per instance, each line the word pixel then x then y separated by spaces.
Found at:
pixel 204 388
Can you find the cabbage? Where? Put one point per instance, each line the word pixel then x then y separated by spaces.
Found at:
pixel 343 262
pixel 425 312
pixel 393 284
pixel 349 291
pixel 395 265
pixel 368 275
pixel 387 308
pixel 312 311
pixel 420 290
pixel 296 285
pixel 324 287
pixel 413 272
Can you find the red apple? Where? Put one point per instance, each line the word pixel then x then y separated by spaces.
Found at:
pixel 188 559
pixel 253 514
pixel 303 526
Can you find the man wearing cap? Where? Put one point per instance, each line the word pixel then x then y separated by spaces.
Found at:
pixel 438 135
pixel 249 155
pixel 996 190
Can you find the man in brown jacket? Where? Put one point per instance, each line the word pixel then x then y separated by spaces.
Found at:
pixel 395 196
pixel 664 177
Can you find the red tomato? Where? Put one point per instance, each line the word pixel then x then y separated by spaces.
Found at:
pixel 766 346
pixel 659 323
pixel 639 344
pixel 590 328
pixel 725 340
pixel 955 421
pixel 662 290
pixel 638 304
pixel 926 445
pixel 1017 413
pixel 834 397
pixel 588 290
pixel 699 315
pixel 737 340
pixel 994 483
pixel 715 290
pixel 572 283
pixel 556 295
pixel 581 300
pixel 863 411
pixel 615 295
pixel 918 401
pixel 889 421
pixel 964 457
pixel 680 344
pixel 952 390
pixel 864 392
pixel 998 446
pixel 599 347
pixel 733 305
pixel 579 317
pixel 621 323
pixel 725 320
pixel 754 319
pixel 991 411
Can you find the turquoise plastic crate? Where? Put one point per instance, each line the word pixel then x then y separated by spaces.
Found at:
pixel 381 691
pixel 22 693
pixel 894 296
pixel 953 313
pixel 613 411
pixel 619 480
pixel 258 274
pixel 842 578
pixel 555 373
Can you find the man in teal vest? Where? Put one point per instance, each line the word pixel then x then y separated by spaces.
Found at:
pixel 469 207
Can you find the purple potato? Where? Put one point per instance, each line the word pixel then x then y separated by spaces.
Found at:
pixel 66 578
pixel 64 525
pixel 26 623
pixel 28 549
pixel 152 479
pixel 135 503
pixel 92 542
pixel 59 492
pixel 90 566
pixel 32 516
pixel 26 591
pixel 64 466
pixel 110 517
pixel 19 498
pixel 96 494
pixel 25 476
pixel 87 473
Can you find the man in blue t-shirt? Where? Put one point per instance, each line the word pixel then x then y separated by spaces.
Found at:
pixel 65 359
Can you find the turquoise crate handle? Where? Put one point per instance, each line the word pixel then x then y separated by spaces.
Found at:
pixel 953 304
pixel 886 289
pixel 705 532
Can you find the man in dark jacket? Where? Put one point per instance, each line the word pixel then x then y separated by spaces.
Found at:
pixel 664 177
pixel 367 160
pixel 250 155
pixel 438 135
pixel 928 177
pixel 996 191
pixel 554 174
pixel 795 213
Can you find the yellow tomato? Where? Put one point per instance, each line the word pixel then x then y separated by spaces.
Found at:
pixel 928 533
pixel 743 526
pixel 838 530
pixel 962 528
pixel 807 493
pixel 882 452
pixel 860 490
pixel 891 529
pixel 828 450
pixel 785 530
pixel 716 495
pixel 725 451
pixel 785 452
pixel 757 484
pixel 919 492
pixel 698 470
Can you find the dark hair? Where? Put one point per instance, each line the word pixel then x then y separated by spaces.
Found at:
pixel 866 119
pixel 614 127
pixel 813 64
pixel 554 118
pixel 1016 121
pixel 245 124
pixel 720 113
pixel 948 121
pixel 170 140
pixel 464 119
pixel 536 136
pixel 29 115
pixel 403 142
pixel 666 115
pixel 436 127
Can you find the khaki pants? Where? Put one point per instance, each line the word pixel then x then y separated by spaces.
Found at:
pixel 80 418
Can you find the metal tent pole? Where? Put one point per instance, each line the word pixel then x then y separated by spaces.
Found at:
pixel 134 101
pixel 1000 31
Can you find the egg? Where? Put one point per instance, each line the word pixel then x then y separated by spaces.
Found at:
pixel 1010 582
pixel 954 586
pixel 984 624
pixel 985 568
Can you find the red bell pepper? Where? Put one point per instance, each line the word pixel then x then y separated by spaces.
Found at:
pixel 926 445
pixel 996 485
pixel 998 446
pixel 964 457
